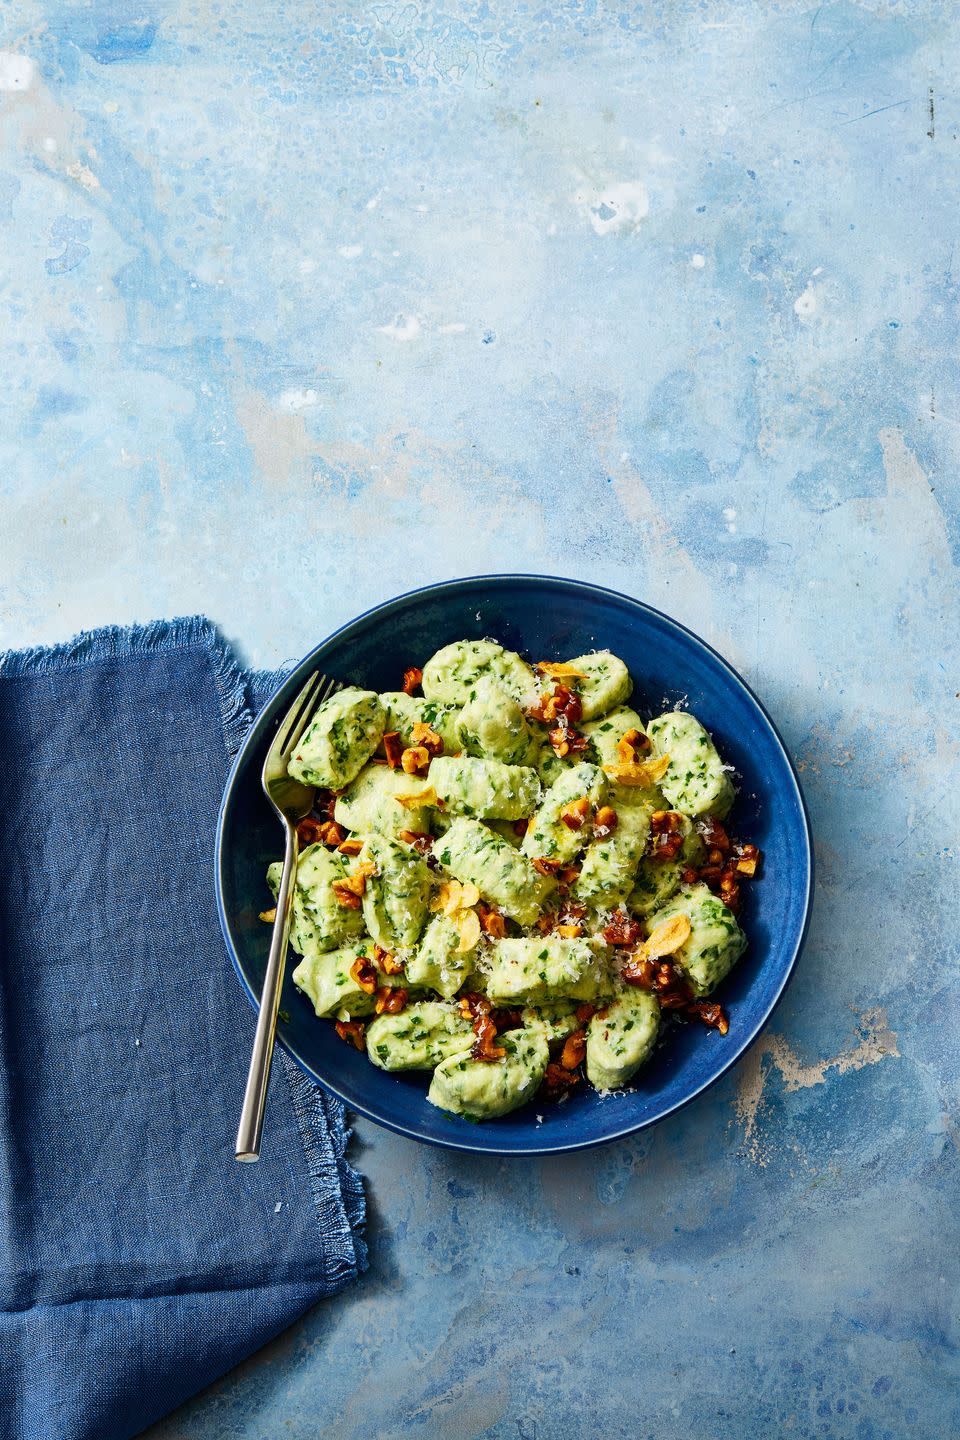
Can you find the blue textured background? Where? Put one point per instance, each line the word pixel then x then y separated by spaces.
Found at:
pixel 302 304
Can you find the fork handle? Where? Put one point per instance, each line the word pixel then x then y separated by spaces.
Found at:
pixel 250 1128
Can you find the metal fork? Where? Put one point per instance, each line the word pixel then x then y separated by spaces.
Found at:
pixel 292 801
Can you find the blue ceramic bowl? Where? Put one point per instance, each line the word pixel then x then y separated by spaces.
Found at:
pixel 544 618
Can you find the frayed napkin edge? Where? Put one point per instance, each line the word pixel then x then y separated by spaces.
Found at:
pixel 311 1103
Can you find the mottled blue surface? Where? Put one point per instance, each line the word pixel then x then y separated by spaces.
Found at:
pixel 302 304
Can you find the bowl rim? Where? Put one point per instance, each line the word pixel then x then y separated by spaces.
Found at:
pixel 470 1141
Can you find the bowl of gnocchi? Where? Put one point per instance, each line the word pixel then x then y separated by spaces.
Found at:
pixel 557 873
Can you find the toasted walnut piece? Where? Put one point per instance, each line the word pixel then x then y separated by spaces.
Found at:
pixel 345 897
pixel 411 680
pixel 333 836
pixel 353 1031
pixel 569 932
pixel 713 835
pixel 557 1081
pixel 268 916
pixel 585 1012
pixel 427 796
pixel 574 1050
pixel 560 743
pixel 668 937
pixel 422 734
pixel 363 974
pixel 350 846
pixel 309 831
pixel 415 760
pixel 356 882
pixel 468 927
pixel 576 814
pixel 393 748
pixel 386 961
pixel 390 1000
pixel 325 801
pixel 640 972
pixel 471 1005
pixel 622 929
pixel 485 1047
pixel 422 843
pixel 605 822
pixel 711 1014
pixel 556 870
pixel 492 922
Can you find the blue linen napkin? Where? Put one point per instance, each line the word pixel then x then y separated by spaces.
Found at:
pixel 138 1261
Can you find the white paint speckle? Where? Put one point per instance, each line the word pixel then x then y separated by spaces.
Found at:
pixel 110 107
pixel 307 266
pixel 293 400
pixel 402 327
pixel 805 305
pixel 617 207
pixel 17 72
pixel 729 513
pixel 278 1207
pixel 698 261
pixel 374 201
pixel 350 252
pixel 49 145
pixel 82 173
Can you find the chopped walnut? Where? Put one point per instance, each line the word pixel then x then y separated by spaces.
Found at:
pixel 393 748
pixel 485 1047
pixel 569 932
pixel 345 897
pixel 386 961
pixel 605 822
pixel 424 736
pixel 712 1015
pixel 556 870
pixel 492 922
pixel 415 760
pixel 310 830
pixel 574 1050
pixel 350 846
pixel 622 929
pixel 422 843
pixel 268 916
pixel 363 974
pixel 557 1081
pixel 411 680
pixel 666 834
pixel 390 1000
pixel 576 814
pixel 353 1031
pixel 585 1012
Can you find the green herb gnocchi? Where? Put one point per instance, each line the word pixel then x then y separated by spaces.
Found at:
pixel 513 880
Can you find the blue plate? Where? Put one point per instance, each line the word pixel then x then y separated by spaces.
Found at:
pixel 543 618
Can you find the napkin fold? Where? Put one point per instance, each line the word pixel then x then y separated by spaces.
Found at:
pixel 138 1261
